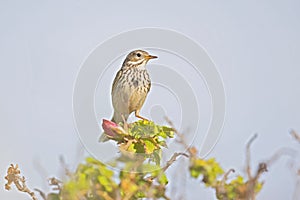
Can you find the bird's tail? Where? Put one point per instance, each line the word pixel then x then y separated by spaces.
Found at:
pixel 117 117
pixel 103 138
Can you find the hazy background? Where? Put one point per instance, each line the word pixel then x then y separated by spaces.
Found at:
pixel 254 44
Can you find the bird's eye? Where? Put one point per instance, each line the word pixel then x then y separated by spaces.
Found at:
pixel 138 55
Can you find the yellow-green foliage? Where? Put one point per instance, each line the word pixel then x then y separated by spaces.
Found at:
pixel 209 170
pixel 93 180
pixel 143 175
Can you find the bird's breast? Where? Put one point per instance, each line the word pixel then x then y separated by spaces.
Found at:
pixel 139 80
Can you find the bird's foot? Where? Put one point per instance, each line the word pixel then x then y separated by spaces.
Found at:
pixel 143 118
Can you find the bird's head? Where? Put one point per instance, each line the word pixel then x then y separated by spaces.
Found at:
pixel 138 58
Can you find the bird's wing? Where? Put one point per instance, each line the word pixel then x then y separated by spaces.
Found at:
pixel 117 78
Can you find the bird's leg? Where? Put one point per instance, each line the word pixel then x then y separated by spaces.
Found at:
pixel 137 114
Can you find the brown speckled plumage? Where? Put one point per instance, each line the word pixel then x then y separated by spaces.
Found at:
pixel 131 85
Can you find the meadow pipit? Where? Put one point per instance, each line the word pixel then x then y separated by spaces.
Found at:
pixel 130 87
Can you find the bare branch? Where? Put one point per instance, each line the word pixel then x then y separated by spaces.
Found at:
pixel 225 177
pixel 65 166
pixel 169 163
pixel 56 183
pixel 295 135
pixel 13 177
pixel 42 194
pixel 262 167
pixel 191 150
pixel 248 155
pixel 281 152
pixel 173 159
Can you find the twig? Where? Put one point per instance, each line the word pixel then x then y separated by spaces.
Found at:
pixel 252 180
pixel 220 186
pixel 281 152
pixel 65 166
pixel 262 167
pixel 52 182
pixel 56 183
pixel 225 177
pixel 181 137
pixel 173 159
pixel 13 177
pixel 191 150
pixel 295 135
pixel 42 194
pixel 251 183
pixel 248 155
pixel 168 164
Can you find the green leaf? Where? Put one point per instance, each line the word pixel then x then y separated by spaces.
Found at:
pixel 163 179
pixel 149 146
pixel 194 173
pixel 106 183
pixel 139 148
pixel 239 180
pixel 150 168
pixel 106 172
pixel 258 187
pixel 163 134
pixel 93 161
pixel 156 156
pixel 53 196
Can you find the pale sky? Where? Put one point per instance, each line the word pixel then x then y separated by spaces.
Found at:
pixel 255 46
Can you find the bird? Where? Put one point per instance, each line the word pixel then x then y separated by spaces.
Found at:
pixel 130 87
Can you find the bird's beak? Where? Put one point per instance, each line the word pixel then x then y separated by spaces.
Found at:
pixel 148 57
